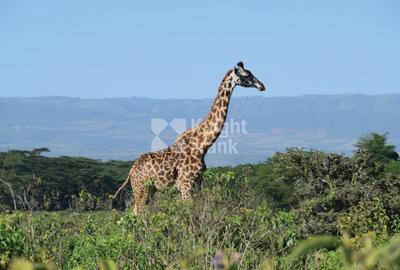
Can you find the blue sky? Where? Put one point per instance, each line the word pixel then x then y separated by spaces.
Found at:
pixel 182 49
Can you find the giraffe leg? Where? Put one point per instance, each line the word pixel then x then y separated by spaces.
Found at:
pixel 140 202
pixel 186 193
pixel 198 183
pixel 186 182
pixel 198 179
pixel 141 194
pixel 184 186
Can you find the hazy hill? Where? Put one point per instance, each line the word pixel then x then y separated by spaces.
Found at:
pixel 120 128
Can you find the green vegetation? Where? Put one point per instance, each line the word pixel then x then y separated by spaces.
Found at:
pixel 376 145
pixel 43 183
pixel 272 215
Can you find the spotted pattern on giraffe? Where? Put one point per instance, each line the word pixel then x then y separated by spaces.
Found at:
pixel 182 163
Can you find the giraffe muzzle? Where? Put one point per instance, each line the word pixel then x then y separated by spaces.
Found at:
pixel 260 86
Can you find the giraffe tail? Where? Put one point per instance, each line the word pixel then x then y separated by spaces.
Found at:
pixel 123 185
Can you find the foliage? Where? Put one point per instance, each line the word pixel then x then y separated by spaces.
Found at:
pixel 169 232
pixel 321 187
pixel 251 216
pixel 364 217
pixel 320 252
pixel 376 145
pixel 12 240
pixel 386 256
pixel 46 183
pixel 392 167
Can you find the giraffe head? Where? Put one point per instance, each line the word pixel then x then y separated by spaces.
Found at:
pixel 245 78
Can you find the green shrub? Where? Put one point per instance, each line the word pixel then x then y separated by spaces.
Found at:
pixel 12 239
pixel 243 215
pixel 366 216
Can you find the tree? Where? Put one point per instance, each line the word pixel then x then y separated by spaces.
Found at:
pixel 8 184
pixel 376 145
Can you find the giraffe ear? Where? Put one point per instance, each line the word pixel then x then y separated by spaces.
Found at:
pixel 239 69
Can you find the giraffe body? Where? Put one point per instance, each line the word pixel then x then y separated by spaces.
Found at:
pixel 182 163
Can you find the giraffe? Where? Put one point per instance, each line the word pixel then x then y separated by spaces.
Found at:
pixel 182 162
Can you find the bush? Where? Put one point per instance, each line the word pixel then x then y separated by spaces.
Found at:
pixel 12 240
pixel 240 217
pixel 366 216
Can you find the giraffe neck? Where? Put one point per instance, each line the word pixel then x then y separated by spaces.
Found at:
pixel 208 130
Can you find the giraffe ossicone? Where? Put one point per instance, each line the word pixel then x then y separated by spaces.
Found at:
pixel 182 163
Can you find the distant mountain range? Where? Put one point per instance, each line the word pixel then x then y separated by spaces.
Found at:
pixel 124 128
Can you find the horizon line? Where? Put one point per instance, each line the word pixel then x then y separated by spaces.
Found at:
pixel 172 98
